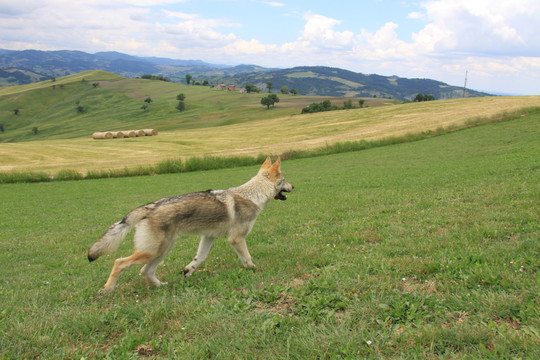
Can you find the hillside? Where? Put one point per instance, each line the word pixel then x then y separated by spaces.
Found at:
pixel 326 81
pixel 23 67
pixel 80 104
pixel 217 123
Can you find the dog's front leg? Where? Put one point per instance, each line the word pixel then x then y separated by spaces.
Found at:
pixel 202 253
pixel 240 246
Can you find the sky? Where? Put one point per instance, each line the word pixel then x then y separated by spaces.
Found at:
pixel 495 42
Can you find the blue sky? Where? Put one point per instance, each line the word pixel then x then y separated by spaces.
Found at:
pixel 495 41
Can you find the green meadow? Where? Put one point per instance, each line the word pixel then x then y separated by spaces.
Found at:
pixel 425 249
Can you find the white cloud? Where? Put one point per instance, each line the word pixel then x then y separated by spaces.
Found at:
pixel 481 27
pixel 415 15
pixel 489 38
pixel 319 33
pixel 252 47
pixel 274 3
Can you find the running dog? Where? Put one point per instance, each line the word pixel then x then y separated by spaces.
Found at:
pixel 210 214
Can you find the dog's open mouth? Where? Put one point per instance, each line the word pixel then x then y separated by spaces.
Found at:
pixel 281 195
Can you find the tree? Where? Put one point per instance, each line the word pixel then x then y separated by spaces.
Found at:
pixel 188 78
pixel 205 83
pixel 148 100
pixel 422 97
pixel 80 109
pixel 95 85
pixel 16 112
pixel 284 89
pixel 154 77
pixel 361 102
pixel 267 101
pixel 274 97
pixel 252 88
pixel 2 127
pixel 269 86
pixel 181 106
pixel 294 91
pixel 326 105
pixel 180 97
pixel 35 130
pixel 144 107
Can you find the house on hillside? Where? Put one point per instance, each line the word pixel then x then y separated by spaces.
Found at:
pixel 231 88
pixel 221 87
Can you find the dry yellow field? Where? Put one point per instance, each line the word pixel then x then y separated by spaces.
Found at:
pixel 269 136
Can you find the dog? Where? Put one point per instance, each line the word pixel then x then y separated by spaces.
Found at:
pixel 210 214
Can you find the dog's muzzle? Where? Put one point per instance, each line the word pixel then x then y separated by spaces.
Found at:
pixel 281 196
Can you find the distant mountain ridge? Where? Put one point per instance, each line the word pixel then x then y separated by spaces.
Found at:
pixel 27 66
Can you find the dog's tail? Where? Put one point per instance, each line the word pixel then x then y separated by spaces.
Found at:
pixel 116 233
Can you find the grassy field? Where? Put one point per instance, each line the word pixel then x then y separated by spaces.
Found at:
pixel 236 125
pixel 419 250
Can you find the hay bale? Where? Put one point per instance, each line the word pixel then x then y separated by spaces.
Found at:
pixel 102 135
pixel 118 134
pixel 129 133
pixel 140 133
pixel 150 132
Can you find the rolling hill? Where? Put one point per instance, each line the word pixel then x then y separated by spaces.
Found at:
pixel 216 123
pixel 80 104
pixel 23 67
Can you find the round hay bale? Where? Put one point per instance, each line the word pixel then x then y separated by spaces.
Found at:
pixel 150 132
pixel 102 135
pixel 140 133
pixel 130 133
pixel 118 134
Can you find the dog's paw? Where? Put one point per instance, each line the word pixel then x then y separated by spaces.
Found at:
pixel 105 291
pixel 188 271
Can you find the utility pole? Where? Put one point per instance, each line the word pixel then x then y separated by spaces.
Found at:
pixel 465 85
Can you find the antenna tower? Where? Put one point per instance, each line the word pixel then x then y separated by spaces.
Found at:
pixel 465 85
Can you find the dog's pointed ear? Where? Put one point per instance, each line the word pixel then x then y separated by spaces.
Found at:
pixel 266 165
pixel 275 169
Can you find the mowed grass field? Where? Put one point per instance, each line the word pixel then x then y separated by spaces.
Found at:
pixel 418 250
pixel 255 131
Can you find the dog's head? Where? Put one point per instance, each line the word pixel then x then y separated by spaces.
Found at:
pixel 275 175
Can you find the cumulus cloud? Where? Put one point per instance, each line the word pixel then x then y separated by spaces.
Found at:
pixel 319 32
pixel 480 26
pixel 488 38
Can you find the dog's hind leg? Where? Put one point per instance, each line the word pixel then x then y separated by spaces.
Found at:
pixel 122 264
pixel 149 270
pixel 202 253
pixel 240 246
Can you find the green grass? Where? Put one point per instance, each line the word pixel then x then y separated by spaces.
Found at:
pixel 426 249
